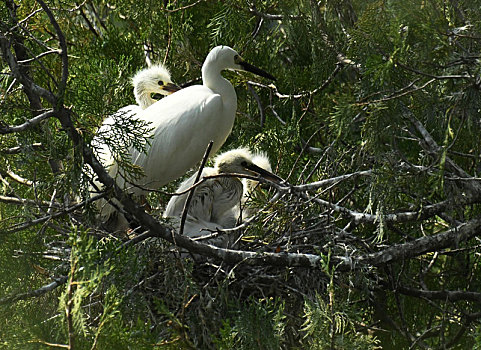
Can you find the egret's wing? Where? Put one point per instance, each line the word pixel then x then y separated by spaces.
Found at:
pixel 106 159
pixel 184 123
pixel 176 203
pixel 227 195
pixel 106 130
pixel 202 202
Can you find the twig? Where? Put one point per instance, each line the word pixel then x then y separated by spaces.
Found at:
pixel 23 201
pixel 69 303
pixel 63 45
pixel 184 7
pixel 21 149
pixel 451 295
pixel 392 97
pixel 271 17
pixel 303 93
pixel 259 104
pixel 191 193
pixel 27 224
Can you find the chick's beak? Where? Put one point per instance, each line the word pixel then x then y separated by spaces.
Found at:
pixel 264 173
pixel 171 88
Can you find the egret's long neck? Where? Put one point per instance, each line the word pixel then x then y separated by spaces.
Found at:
pixel 212 78
pixel 142 96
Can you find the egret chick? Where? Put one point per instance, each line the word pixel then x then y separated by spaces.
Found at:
pixel 214 200
pixel 249 186
pixel 151 81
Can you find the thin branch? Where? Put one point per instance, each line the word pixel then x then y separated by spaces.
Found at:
pixel 191 193
pixel 449 238
pixel 259 104
pixel 34 293
pixel 29 85
pixel 435 77
pixel 333 180
pixel 401 94
pixel 303 93
pixel 451 295
pixel 39 56
pixel 29 223
pixel 6 129
pixel 21 149
pixel 63 46
pixel 69 303
pixel 23 201
pixel 271 17
pixel 184 7
pixel 431 147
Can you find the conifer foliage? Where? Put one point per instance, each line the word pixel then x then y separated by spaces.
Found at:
pixel 372 241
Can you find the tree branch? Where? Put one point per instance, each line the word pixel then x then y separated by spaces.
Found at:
pixel 451 295
pixel 34 293
pixel 6 129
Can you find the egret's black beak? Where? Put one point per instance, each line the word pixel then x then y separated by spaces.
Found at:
pixel 170 87
pixel 253 69
pixel 264 173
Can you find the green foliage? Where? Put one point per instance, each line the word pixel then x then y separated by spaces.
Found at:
pixel 258 325
pixel 331 325
pixel 351 78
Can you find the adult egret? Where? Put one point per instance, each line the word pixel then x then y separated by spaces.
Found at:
pixel 185 122
pixel 214 200
pixel 147 82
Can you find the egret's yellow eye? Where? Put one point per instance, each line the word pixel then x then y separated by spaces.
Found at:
pixel 161 82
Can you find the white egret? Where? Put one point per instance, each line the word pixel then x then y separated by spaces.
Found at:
pixel 214 200
pixel 148 82
pixel 185 122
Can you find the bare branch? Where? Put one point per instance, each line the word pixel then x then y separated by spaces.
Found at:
pixel 24 80
pixel 63 54
pixel 184 7
pixel 331 181
pixel 23 201
pixel 20 149
pixel 6 129
pixel 34 293
pixel 303 93
pixel 29 223
pixel 449 238
pixel 451 295
pixel 432 148
pixel 191 193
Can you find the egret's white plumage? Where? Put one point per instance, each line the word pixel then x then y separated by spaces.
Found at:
pixel 185 122
pixel 155 79
pixel 214 201
pixel 146 82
